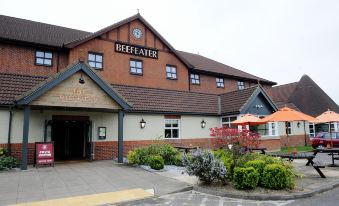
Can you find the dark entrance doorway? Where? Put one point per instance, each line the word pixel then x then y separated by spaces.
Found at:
pixel 71 136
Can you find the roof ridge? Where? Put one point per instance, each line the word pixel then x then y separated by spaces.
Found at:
pixel 39 22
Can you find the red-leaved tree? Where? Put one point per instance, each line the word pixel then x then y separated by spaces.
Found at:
pixel 242 138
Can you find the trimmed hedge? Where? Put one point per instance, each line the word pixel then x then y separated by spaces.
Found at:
pixel 275 176
pixel 245 178
pixel 156 162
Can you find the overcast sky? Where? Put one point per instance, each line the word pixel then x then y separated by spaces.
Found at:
pixel 279 40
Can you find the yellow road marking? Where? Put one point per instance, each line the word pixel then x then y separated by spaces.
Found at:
pixel 95 199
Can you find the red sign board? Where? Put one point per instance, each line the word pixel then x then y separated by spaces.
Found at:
pixel 44 153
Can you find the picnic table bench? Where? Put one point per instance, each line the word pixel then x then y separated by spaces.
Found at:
pixel 262 149
pixel 186 149
pixel 315 164
pixel 330 151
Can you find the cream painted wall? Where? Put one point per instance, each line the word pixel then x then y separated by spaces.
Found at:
pixel 191 126
pixel 37 119
pixel 295 129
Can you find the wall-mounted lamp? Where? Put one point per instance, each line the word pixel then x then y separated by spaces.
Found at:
pixel 81 80
pixel 298 124
pixel 203 124
pixel 142 123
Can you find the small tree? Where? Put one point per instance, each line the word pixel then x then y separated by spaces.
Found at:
pixel 239 139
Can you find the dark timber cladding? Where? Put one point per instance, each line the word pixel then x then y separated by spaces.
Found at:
pixel 136 50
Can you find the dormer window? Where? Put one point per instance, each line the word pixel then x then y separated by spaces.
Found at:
pixel 95 60
pixel 171 72
pixel 220 82
pixel 195 79
pixel 43 58
pixel 241 85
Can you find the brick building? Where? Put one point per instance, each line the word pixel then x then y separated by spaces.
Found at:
pixel 91 92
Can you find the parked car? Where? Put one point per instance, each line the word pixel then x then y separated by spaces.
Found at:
pixel 323 138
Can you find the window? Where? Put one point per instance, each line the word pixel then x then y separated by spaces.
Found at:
pixel 43 58
pixel 312 130
pixel 171 72
pixel 172 129
pixel 195 78
pixel 241 85
pixel 226 121
pixel 135 66
pixel 272 129
pixel 288 128
pixel 220 82
pixel 95 60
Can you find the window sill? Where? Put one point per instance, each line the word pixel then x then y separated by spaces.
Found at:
pixel 172 78
pixel 137 74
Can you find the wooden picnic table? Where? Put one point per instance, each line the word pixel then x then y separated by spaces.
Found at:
pixel 330 151
pixel 187 149
pixel 262 149
pixel 308 156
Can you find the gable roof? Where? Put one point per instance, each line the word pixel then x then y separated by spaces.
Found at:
pixel 22 30
pixel 237 101
pixel 125 21
pixel 43 87
pixel 306 95
pixel 42 34
pixel 204 64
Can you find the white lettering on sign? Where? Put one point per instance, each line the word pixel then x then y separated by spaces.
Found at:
pixel 136 50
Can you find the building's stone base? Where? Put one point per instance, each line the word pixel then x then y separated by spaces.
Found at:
pixel 109 149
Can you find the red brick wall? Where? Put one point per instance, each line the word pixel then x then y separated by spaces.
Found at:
pixel 294 140
pixel 21 60
pixel 16 151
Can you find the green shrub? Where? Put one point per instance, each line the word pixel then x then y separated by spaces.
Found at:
pixel 228 159
pixel 7 162
pixel 141 155
pixel 3 152
pixel 205 166
pixel 168 153
pixel 275 176
pixel 259 165
pixel 132 158
pixel 245 178
pixel 179 160
pixel 156 162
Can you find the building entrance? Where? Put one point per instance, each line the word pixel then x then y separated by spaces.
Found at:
pixel 71 136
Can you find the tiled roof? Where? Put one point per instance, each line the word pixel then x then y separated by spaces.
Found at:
pixel 202 63
pixel 305 95
pixel 161 100
pixel 23 30
pixel 232 102
pixel 12 85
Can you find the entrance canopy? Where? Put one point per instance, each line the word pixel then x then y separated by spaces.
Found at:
pixel 77 86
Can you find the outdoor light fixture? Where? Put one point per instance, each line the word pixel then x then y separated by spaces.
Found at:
pixel 203 124
pixel 81 80
pixel 142 123
pixel 298 124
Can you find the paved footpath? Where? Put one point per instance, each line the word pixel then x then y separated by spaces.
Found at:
pixel 79 179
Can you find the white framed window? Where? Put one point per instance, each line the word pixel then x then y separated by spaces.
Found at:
pixel 226 121
pixel 195 79
pixel 95 60
pixel 273 129
pixel 241 85
pixel 172 128
pixel 171 72
pixel 311 129
pixel 135 66
pixel 289 128
pixel 220 82
pixel 43 58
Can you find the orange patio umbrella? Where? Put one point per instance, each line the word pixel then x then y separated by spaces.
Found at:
pixel 248 119
pixel 327 117
pixel 287 114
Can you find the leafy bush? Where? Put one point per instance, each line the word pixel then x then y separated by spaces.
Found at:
pixel 168 153
pixel 245 178
pixel 206 167
pixel 142 155
pixel 132 157
pixel 156 162
pixel 275 176
pixel 7 162
pixel 179 160
pixel 259 165
pixel 3 152
pixel 228 160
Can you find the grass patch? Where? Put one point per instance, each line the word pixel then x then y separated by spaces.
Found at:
pixel 299 149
